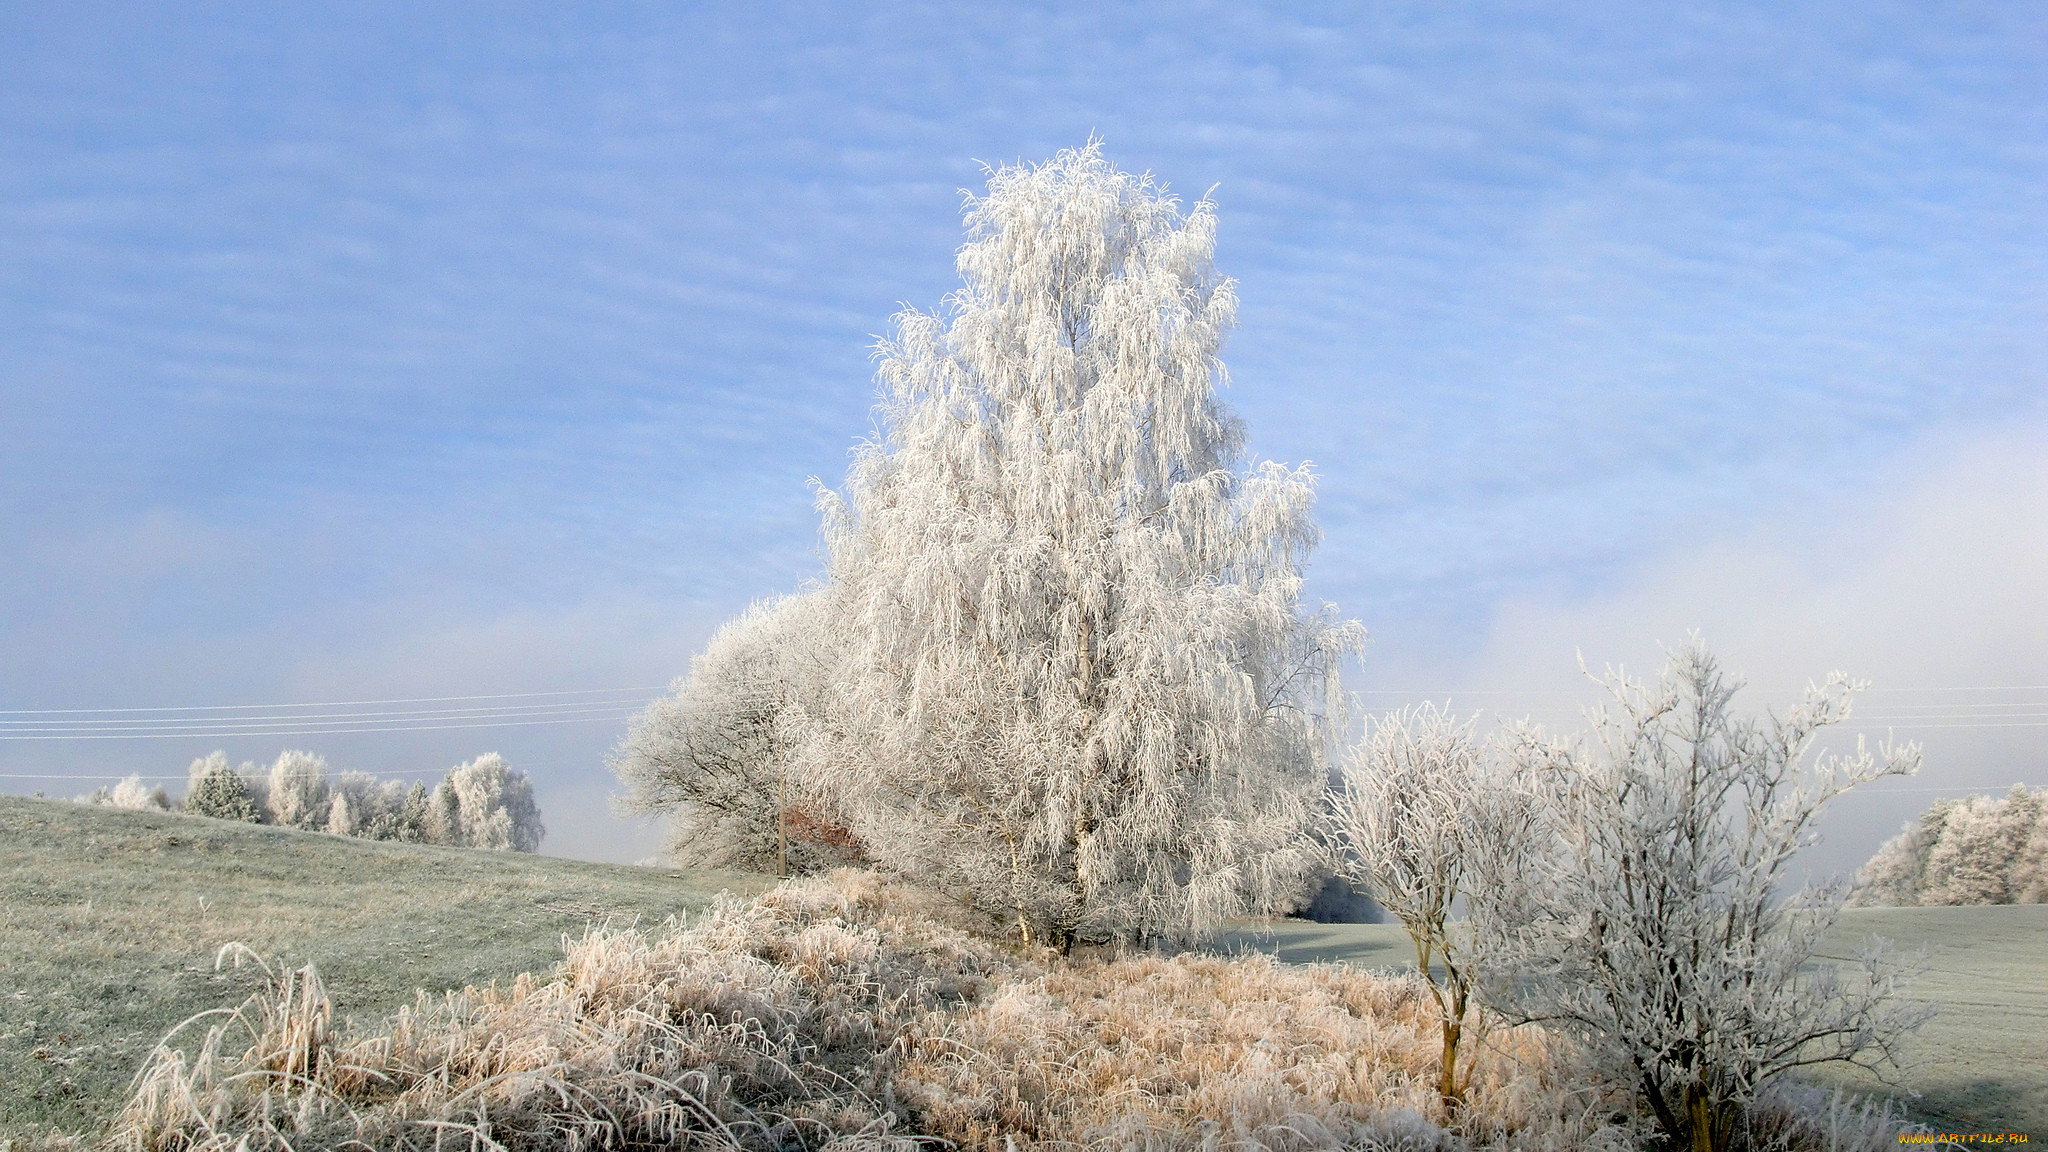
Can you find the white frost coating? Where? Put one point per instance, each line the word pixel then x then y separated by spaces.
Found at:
pixel 1080 687
pixel 1973 850
pixel 297 797
pixel 483 803
pixel 1656 920
pixel 1416 822
pixel 719 753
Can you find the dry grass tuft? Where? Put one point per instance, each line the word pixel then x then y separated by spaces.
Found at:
pixel 763 1026
pixel 845 1013
pixel 1193 1052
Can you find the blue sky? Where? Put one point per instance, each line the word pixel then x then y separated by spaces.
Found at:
pixel 369 352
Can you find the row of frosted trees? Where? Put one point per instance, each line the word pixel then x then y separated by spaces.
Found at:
pixel 481 803
pixel 1059 667
pixel 1972 850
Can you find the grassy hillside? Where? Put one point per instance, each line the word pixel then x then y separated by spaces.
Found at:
pixel 109 922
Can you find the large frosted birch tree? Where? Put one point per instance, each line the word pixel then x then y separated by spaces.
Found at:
pixel 1081 688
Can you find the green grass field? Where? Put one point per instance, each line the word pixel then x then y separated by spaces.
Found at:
pixel 1981 1065
pixel 109 922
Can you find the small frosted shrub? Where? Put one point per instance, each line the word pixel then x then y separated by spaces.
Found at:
pixel 131 793
pixel 216 790
pixel 298 791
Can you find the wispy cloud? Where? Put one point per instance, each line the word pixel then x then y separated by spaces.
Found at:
pixel 399 316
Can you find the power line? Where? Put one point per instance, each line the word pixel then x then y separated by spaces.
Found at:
pixel 340 703
pixel 481 715
pixel 209 735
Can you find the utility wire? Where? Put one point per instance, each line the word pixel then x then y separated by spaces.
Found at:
pixel 307 731
pixel 342 703
pixel 481 715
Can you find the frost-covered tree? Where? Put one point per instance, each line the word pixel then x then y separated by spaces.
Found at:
pixel 215 789
pixel 413 810
pixel 361 805
pixel 1979 850
pixel 2030 885
pixel 1974 850
pixel 1080 689
pixel 298 790
pixel 484 803
pixel 1416 822
pixel 1656 921
pixel 1896 874
pixel 718 754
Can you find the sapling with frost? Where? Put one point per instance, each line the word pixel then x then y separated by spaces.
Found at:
pixel 1416 818
pixel 1081 689
pixel 1656 919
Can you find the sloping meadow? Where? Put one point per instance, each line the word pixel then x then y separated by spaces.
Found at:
pixel 847 1013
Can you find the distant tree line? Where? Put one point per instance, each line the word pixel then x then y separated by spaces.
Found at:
pixel 1976 850
pixel 482 803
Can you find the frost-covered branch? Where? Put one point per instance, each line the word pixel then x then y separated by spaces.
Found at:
pixel 1655 917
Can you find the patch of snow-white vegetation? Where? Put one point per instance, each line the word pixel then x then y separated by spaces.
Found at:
pixel 483 803
pixel 1654 919
pixel 130 793
pixel 1976 850
pixel 846 1013
pixel 717 755
pixel 1060 665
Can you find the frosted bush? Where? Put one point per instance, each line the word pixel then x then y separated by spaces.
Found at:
pixel 130 793
pixel 1655 918
pixel 717 755
pixel 215 789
